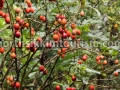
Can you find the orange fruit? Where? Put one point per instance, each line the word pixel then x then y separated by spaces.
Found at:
pixel 55 37
pixel 26 25
pixel 63 55
pixel 116 61
pixel 63 50
pixel 116 73
pixel 104 62
pixel 27 10
pixel 73 25
pixel 13 49
pixel 59 52
pixel 98 62
pixel 63 21
pixel 13 55
pixel 82 14
pixel 18 18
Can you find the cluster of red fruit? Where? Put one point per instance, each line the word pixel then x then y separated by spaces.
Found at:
pixel 2 50
pixel 68 88
pixel 6 16
pixel 43 69
pixel 42 18
pixel 62 33
pixel 100 60
pixel 10 81
pixel 2 3
pixel 29 8
pixel 91 87
pixel 84 58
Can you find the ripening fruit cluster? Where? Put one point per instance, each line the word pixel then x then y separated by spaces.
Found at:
pixel 62 33
pixel 12 83
pixel 43 69
pixel 29 8
pixel 68 88
pixel 32 46
pixel 100 60
pixel 2 3
pixel 6 17
pixel 71 88
pixel 91 87
pixel 42 18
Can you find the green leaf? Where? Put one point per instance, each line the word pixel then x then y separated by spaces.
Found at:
pixel 85 80
pixel 92 71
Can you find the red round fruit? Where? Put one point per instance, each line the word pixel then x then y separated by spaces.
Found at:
pixel 18 18
pixel 28 1
pixel 116 61
pixel 82 14
pixel 12 84
pixel 73 36
pixel 73 78
pixel 97 58
pixel 41 17
pixel 6 15
pixel 17 85
pixel 63 50
pixel 41 68
pixel 21 22
pixel 79 61
pixel 16 26
pixel 28 46
pixel 78 32
pixel 73 88
pixel 2 1
pixel 63 21
pixel 45 71
pixel 39 39
pixel 73 25
pixel 61 30
pixel 13 55
pixel 68 88
pixel 27 10
pixel 48 45
pixel 64 35
pixel 17 10
pixel 32 44
pixel 116 73
pixel 63 55
pixel 105 62
pixel 7 19
pixel 19 44
pixel 68 33
pixel 91 87
pixel 2 49
pixel 17 34
pixel 3 14
pixel 73 32
pixel 30 5
pixel 31 9
pixel 84 57
pixel 57 87
pixel 56 37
